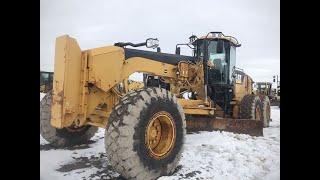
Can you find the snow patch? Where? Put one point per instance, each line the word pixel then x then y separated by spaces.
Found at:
pixel 207 155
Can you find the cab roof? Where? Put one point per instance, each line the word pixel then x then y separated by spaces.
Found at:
pixel 220 35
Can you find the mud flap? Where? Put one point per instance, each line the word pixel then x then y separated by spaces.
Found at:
pixel 240 126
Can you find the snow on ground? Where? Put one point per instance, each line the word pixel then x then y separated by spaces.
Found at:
pixel 207 155
pixel 42 95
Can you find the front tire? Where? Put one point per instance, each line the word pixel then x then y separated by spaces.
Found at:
pixel 61 137
pixel 145 134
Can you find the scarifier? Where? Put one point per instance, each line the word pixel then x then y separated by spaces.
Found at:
pixel 145 123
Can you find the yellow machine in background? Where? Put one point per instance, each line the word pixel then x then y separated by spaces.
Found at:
pixel 265 89
pixel 146 122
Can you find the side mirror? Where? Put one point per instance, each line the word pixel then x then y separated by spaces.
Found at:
pixel 178 50
pixel 158 49
pixel 152 43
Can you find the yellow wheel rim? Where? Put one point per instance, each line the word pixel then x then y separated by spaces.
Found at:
pixel 160 135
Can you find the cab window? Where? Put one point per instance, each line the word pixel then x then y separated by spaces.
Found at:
pixel 44 78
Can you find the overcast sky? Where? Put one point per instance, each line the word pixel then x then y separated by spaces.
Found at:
pixel 95 23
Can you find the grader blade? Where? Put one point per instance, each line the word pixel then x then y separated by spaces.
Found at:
pixel 240 126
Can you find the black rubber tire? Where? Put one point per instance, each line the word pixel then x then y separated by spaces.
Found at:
pixel 266 111
pixel 61 137
pixel 248 105
pixel 125 134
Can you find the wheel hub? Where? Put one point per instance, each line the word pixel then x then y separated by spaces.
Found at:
pixel 160 135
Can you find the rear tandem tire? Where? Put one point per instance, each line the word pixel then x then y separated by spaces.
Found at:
pixel 251 107
pixel 61 137
pixel 266 111
pixel 128 145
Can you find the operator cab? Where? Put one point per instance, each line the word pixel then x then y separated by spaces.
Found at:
pixel 219 52
pixel 221 56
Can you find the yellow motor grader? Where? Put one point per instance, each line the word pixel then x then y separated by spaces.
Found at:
pixel 145 127
pixel 265 89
